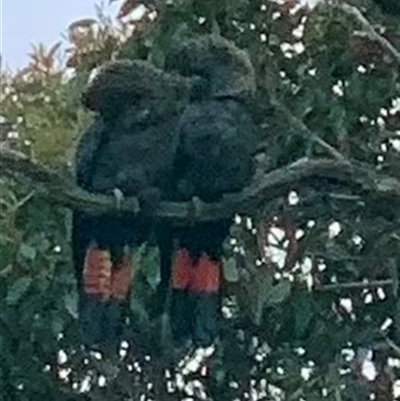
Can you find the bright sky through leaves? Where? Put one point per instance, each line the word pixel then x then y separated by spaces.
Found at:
pixel 25 22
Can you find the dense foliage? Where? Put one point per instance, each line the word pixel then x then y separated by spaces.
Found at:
pixel 312 277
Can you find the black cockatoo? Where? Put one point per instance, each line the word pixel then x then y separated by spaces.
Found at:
pixel 129 149
pixel 217 138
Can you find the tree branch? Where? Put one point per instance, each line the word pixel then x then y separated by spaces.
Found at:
pixel 272 185
pixel 356 13
pixel 299 125
pixel 393 346
pixel 355 285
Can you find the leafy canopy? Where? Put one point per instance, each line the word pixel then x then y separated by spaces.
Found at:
pixel 312 276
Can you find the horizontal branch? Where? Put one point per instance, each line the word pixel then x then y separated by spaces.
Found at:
pixel 362 285
pixel 269 186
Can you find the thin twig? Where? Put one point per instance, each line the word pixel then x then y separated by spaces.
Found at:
pixel 270 86
pixel 299 125
pixel 393 346
pixel 355 285
pixel 6 271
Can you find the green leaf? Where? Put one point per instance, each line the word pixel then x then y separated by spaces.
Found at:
pixel 27 252
pixel 71 302
pixel 336 252
pixel 262 284
pixel 17 290
pixel 304 312
pixel 149 265
pixel 57 325
pixel 230 270
pixel 278 293
pixel 394 273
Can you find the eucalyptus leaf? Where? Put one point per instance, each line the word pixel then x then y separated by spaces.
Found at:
pixel 18 290
pixel 277 293
pixel 27 251
pixel 230 270
pixel 71 303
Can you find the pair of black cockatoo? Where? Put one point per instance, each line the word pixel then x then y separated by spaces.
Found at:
pixel 174 134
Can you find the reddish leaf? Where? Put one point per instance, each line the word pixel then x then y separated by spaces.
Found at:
pixel 127 7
